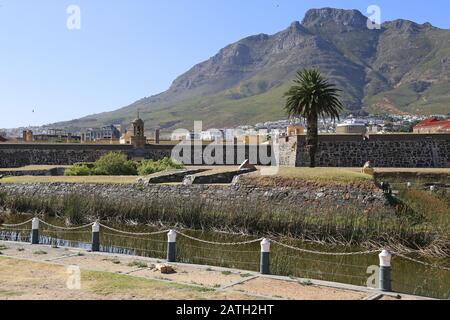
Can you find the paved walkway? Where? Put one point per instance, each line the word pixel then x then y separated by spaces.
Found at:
pixel 231 283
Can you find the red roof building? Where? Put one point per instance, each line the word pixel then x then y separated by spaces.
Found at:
pixel 433 125
pixel 3 139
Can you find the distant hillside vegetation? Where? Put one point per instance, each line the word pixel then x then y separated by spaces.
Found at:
pixel 402 68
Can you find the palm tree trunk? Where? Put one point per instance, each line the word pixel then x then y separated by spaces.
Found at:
pixel 312 139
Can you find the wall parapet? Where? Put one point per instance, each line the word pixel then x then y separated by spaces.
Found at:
pixel 19 155
pixel 387 150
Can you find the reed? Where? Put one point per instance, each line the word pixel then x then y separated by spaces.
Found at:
pixel 343 225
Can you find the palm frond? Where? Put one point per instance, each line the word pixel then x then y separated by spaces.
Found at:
pixel 313 96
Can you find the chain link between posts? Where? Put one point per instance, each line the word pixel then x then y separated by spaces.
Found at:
pixel 326 253
pixel 16 225
pixel 134 233
pixel 232 243
pixel 421 262
pixel 66 228
pixel 220 243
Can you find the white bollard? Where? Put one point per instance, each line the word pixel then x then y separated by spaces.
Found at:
pixel 385 271
pixel 265 257
pixel 96 237
pixel 35 231
pixel 171 246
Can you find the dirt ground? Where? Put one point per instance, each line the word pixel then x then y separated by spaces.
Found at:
pixel 41 272
pixel 297 290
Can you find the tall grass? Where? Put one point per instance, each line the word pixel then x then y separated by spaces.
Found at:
pixel 432 207
pixel 343 225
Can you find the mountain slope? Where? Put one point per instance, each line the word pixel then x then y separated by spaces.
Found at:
pixel 404 67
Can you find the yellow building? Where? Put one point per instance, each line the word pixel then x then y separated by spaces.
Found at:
pixel 125 138
pixel 136 137
pixel 27 136
pixel 251 140
pixel 295 130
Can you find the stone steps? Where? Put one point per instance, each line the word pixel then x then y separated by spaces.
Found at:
pixel 169 176
pixel 225 177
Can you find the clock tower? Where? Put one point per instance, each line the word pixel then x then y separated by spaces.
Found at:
pixel 138 140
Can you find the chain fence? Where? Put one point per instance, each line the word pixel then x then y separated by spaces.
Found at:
pixel 286 259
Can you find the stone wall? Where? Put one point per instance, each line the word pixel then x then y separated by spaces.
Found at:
pixel 396 150
pixel 59 171
pixel 308 197
pixel 18 155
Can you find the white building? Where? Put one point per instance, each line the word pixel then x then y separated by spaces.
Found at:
pixel 350 126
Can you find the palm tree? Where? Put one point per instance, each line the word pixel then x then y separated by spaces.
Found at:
pixel 312 97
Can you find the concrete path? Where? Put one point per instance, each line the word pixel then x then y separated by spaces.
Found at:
pixel 233 283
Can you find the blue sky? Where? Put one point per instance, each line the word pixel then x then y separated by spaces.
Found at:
pixel 129 49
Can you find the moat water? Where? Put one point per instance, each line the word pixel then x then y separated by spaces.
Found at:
pixel 408 277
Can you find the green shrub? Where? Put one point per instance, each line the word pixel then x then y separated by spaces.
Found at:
pixel 78 170
pixel 149 166
pixel 115 164
pixel 110 164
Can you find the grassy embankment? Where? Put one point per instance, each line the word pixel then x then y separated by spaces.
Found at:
pixel 31 168
pixel 297 177
pixel 284 177
pixel 71 179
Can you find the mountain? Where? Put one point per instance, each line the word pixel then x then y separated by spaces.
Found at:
pixel 404 67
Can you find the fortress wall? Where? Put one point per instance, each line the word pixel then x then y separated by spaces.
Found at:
pixel 395 150
pixel 19 155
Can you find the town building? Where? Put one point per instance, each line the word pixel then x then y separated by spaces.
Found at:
pixel 433 125
pixel 251 140
pixel 213 135
pixel 27 136
pixel 179 135
pixel 106 133
pixel 351 126
pixel 295 130
pixel 51 136
pixel 194 136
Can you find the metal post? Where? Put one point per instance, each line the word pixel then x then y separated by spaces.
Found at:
pixel 35 231
pixel 385 271
pixel 171 246
pixel 265 257
pixel 96 237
